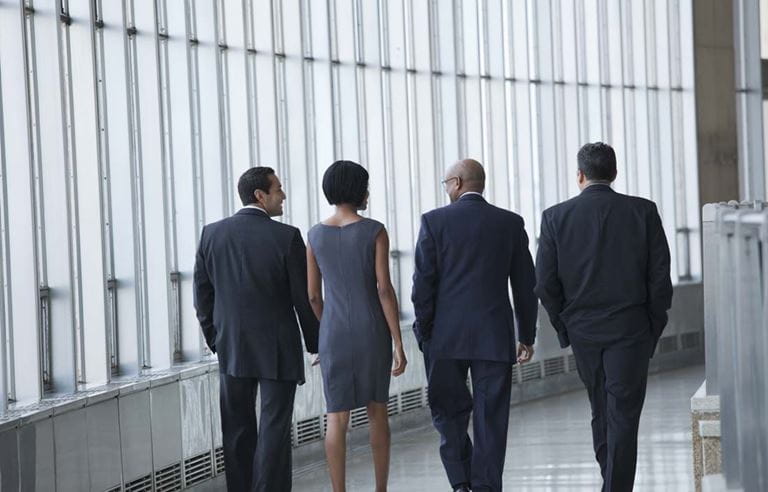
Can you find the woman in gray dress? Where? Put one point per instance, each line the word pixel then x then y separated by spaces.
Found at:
pixel 348 255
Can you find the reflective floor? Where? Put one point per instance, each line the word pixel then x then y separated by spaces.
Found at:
pixel 549 447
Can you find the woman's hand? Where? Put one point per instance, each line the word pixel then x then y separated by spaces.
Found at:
pixel 316 360
pixel 399 360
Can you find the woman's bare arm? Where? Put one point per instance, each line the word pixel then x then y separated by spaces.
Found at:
pixel 388 300
pixel 314 283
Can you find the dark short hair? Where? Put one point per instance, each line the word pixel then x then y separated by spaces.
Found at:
pixel 597 161
pixel 345 182
pixel 256 178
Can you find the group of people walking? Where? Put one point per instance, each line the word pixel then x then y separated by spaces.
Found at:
pixel 602 273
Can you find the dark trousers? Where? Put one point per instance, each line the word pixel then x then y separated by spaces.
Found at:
pixel 480 464
pixel 615 376
pixel 256 459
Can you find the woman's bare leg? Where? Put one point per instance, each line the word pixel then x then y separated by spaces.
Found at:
pixel 380 440
pixel 336 449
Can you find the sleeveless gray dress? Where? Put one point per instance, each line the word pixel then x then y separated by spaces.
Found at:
pixel 355 345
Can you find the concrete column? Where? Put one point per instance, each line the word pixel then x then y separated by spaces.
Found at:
pixel 716 131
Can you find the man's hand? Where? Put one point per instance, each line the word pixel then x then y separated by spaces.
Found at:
pixel 316 360
pixel 524 353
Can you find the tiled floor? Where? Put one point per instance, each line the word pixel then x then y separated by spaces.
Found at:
pixel 549 447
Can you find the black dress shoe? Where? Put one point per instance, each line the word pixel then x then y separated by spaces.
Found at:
pixel 462 487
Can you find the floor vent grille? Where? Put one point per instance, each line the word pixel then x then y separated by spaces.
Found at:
pixel 168 479
pixel 218 454
pixel 116 488
pixel 689 340
pixel 554 366
pixel 359 417
pixel 197 469
pixel 143 484
pixel 308 430
pixel 667 344
pixel 515 374
pixel 572 367
pixel 411 400
pixel 392 406
pixel 531 371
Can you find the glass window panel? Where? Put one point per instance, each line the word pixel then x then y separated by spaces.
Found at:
pixel 344 29
pixel 568 39
pixel 54 172
pixel 616 118
pixel 379 197
pixel 118 141
pixel 560 142
pixel 187 204
pixel 473 114
pixel 469 39
pixel 348 113
pixel 424 133
pixel 662 54
pixel 370 28
pixel 523 124
pixel 498 161
pixel 296 160
pixel 644 157
pixel 450 123
pixel 89 195
pixel 544 57
pixel 153 189
pixel 638 42
pixel 445 38
pixel 402 183
pixel 22 277
pixel 593 48
pixel 395 33
pixel 520 40
pixel 236 89
pixel 421 33
pixel 210 132
pixel 613 11
pixel 292 25
pixel 261 18
pixel 573 143
pixel 548 171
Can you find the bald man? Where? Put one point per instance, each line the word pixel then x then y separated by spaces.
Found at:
pixel 466 255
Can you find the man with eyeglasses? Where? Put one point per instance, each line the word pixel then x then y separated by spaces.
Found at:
pixel 467 254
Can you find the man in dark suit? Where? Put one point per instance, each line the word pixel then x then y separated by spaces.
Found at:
pixel 602 274
pixel 250 282
pixel 467 254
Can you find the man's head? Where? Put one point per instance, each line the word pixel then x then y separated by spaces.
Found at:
pixel 463 176
pixel 597 164
pixel 346 183
pixel 259 186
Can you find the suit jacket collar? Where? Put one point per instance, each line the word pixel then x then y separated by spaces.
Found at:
pixel 597 188
pixel 471 197
pixel 252 211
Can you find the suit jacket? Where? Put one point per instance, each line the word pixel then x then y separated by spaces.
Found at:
pixel 467 255
pixel 602 268
pixel 250 282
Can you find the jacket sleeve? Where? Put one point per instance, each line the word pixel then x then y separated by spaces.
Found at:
pixel 297 278
pixel 548 285
pixel 425 282
pixel 522 279
pixel 204 296
pixel 659 283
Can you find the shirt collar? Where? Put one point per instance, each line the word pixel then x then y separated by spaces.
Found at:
pixel 251 205
pixel 469 193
